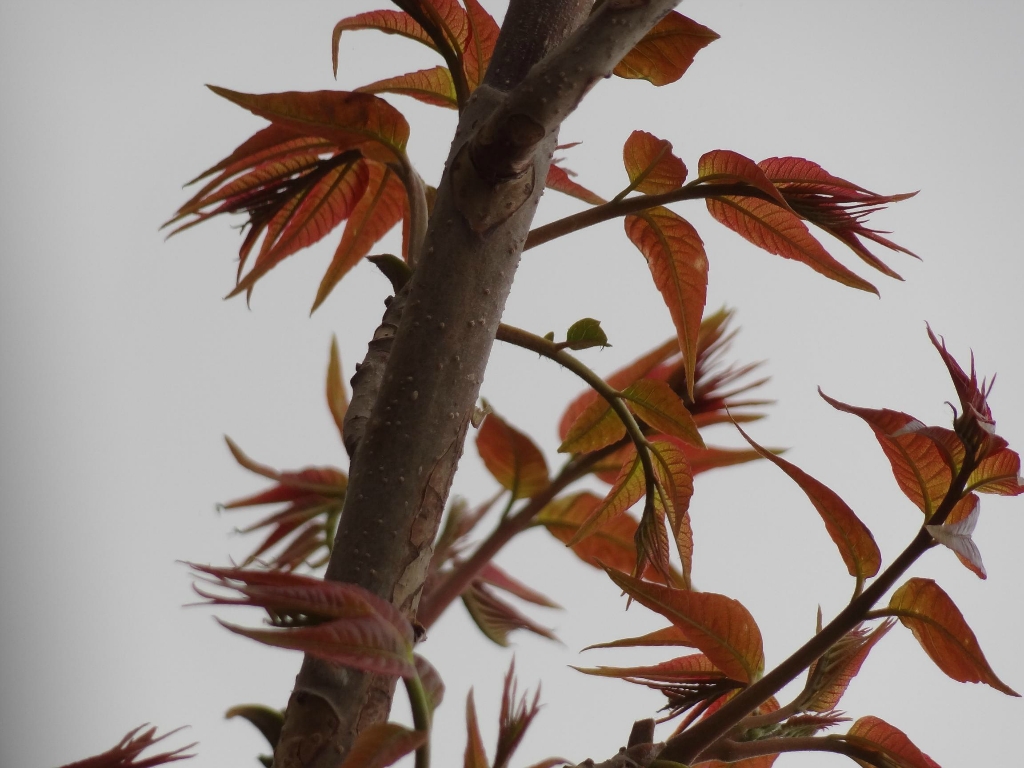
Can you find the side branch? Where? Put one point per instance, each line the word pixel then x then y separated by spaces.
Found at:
pixel 630 205
pixel 692 743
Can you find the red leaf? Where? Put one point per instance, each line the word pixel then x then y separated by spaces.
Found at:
pixel 125 754
pixel 628 489
pixel 337 398
pixel 560 180
pixel 927 611
pixel 705 459
pixel 613 544
pixel 382 206
pixel 650 164
pixel 329 198
pixel 855 542
pixel 920 462
pixel 772 226
pixel 431 86
pixel 718 626
pixel 515 718
pixel 596 427
pixel 511 457
pixel 341 623
pixel 479 45
pixel 382 744
pixel 349 120
pixel 666 52
pixel 366 643
pixel 389 22
pixel 834 204
pixel 496 618
pixel 618 380
pixel 496 577
pixel 676 258
pixel 892 743
pixel 475 756
pixel 669 636
pixel 656 403
pixel 685 669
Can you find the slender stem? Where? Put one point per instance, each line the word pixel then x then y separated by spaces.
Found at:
pixel 629 205
pixel 550 350
pixel 695 741
pixel 733 751
pixel 420 717
pixel 418 216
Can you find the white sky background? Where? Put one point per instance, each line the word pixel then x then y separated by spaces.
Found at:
pixel 122 368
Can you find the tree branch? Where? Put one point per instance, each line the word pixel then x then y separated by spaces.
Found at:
pixel 733 751
pixel 686 746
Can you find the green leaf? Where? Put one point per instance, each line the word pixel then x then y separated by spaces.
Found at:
pixel 586 333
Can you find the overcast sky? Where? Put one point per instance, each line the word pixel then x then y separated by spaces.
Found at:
pixel 121 367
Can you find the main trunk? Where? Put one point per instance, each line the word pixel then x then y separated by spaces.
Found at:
pixel 403 466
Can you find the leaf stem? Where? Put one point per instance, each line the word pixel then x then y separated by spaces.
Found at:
pixel 549 349
pixel 685 747
pixel 420 716
pixel 695 190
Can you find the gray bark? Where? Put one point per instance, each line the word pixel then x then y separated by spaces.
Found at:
pixel 405 459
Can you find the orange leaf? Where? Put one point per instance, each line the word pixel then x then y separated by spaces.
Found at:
pixel 618 380
pixel 998 473
pixel 381 744
pixel 718 626
pixel 873 732
pixel 612 544
pixel 337 398
pixel 628 489
pixel 761 761
pixel 475 756
pixel 496 577
pixel 651 166
pixel 674 487
pixel 479 45
pixel 676 258
pixel 939 627
pixel 431 86
pixel 389 22
pixel 560 180
pixel 309 216
pixel 349 120
pixel 855 542
pixel 511 457
pixel 920 456
pixel 666 52
pixel 655 402
pixel 772 226
pixel 596 427
pixel 382 206
pixel 705 459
